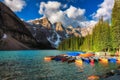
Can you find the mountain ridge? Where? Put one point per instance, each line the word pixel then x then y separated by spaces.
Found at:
pixel 57 32
pixel 35 34
pixel 12 26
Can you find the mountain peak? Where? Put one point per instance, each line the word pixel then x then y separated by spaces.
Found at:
pixel 59 26
pixel 14 34
pixel 44 22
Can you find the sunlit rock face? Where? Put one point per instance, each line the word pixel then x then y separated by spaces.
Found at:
pixel 60 29
pixel 74 31
pixel 87 30
pixel 44 22
pixel 59 26
pixel 43 29
pixel 55 34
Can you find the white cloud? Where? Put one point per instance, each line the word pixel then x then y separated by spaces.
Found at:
pixel 46 8
pixel 105 10
pixel 15 5
pixel 71 16
pixel 75 13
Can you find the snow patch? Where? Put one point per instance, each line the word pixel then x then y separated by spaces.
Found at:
pixel 58 39
pixel 56 42
pixel 4 36
pixel 49 39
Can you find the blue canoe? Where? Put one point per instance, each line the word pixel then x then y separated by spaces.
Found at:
pixel 112 60
pixel 74 53
pixel 86 60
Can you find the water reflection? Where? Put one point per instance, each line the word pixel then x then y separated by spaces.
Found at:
pixel 92 64
pixel 80 67
pixel 104 64
pixel 47 60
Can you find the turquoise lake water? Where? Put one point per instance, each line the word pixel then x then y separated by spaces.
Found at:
pixel 30 65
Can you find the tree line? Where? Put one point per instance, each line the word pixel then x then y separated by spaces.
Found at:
pixel 104 37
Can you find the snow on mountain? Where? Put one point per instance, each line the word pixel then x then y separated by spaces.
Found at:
pixel 55 33
pixel 4 36
pixel 55 39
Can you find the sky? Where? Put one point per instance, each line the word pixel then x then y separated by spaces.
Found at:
pixel 69 12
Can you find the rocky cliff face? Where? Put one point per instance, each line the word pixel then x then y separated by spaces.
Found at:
pixel 40 33
pixel 13 29
pixel 54 33
pixel 44 31
pixel 60 30
pixel 74 31
pixel 59 27
pixel 44 22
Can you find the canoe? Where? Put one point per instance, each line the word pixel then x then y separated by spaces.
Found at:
pixel 86 60
pixel 71 60
pixel 64 59
pixel 118 60
pixel 104 60
pixel 112 60
pixel 92 61
pixel 47 58
pixel 58 58
pixel 79 61
pixel 72 53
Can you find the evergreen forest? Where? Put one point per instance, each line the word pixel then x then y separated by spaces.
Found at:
pixel 105 36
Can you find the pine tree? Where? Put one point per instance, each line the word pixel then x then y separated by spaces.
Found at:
pixel 115 28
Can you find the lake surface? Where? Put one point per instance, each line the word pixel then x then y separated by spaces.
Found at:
pixel 30 65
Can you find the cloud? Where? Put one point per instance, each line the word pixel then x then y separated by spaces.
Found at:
pixel 71 16
pixel 75 13
pixel 15 5
pixel 46 8
pixel 105 10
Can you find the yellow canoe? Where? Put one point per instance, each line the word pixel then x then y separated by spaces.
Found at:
pixel 118 60
pixel 47 58
pixel 79 61
pixel 104 60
